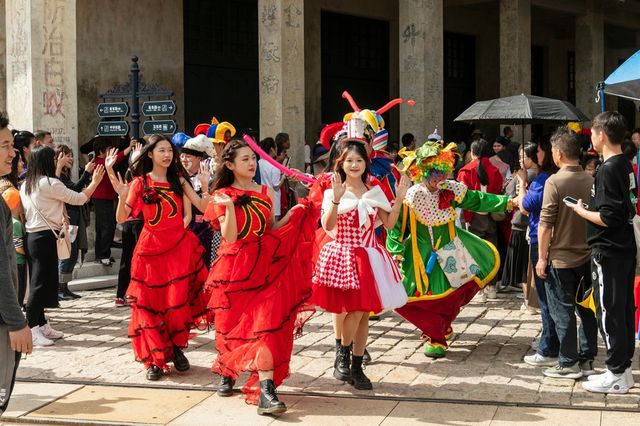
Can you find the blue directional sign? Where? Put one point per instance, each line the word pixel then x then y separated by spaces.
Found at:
pixel 151 108
pixel 113 109
pixel 113 128
pixel 167 127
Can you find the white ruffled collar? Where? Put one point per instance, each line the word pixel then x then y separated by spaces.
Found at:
pixel 366 205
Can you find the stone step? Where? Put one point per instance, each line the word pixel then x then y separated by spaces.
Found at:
pixel 91 254
pixel 94 283
pixel 91 269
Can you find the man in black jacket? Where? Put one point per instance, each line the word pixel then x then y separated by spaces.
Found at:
pixel 613 252
pixel 15 336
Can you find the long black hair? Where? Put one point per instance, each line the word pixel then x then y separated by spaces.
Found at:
pixel 547 166
pixel 358 148
pixel 175 171
pixel 481 149
pixel 224 175
pixel 41 164
pixel 334 153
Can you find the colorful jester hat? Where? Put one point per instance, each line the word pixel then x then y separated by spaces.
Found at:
pixel 430 158
pixel 216 131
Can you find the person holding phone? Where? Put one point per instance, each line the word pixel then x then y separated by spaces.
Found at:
pixel 564 259
pixel 613 252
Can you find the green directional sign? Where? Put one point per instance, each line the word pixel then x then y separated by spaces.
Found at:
pixel 113 109
pixel 167 127
pixel 113 128
pixel 151 108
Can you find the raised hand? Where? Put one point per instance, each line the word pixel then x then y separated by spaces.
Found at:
pixel 135 152
pixel 119 185
pixel 339 187
pixel 204 175
pixel 110 159
pixel 402 186
pixel 60 163
pixel 98 173
pixel 90 166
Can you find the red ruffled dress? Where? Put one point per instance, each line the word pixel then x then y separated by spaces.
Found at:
pixel 354 272
pixel 259 285
pixel 167 276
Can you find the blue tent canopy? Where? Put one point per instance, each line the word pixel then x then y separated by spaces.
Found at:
pixel 625 80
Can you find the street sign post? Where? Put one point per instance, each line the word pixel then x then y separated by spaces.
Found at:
pixel 152 108
pixel 167 127
pixel 113 109
pixel 113 128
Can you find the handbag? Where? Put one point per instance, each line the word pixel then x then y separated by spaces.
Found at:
pixel 63 241
pixel 455 261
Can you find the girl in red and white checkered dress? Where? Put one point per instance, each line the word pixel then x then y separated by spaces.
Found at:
pixel 354 272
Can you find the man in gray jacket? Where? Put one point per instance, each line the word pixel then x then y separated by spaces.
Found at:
pixel 15 335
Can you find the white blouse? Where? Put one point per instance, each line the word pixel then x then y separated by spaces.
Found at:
pixel 49 197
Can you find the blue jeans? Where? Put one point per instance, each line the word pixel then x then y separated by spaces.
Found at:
pixel 549 345
pixel 562 285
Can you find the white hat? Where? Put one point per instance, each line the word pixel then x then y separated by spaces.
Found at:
pixel 199 146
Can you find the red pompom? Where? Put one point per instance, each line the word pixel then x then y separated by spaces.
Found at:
pixel 445 197
pixel 411 102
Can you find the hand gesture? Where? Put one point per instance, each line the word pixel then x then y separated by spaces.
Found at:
pixel 521 175
pixel 133 142
pixel 578 207
pixel 339 188
pixel 135 152
pixel 60 163
pixel 222 200
pixel 21 340
pixel 90 166
pixel 204 175
pixel 119 185
pixel 402 186
pixel 98 173
pixel 110 159
pixel 541 268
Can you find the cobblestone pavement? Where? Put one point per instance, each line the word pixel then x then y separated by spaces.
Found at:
pixel 484 362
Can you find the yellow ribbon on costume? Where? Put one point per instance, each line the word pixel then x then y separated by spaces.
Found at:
pixel 422 281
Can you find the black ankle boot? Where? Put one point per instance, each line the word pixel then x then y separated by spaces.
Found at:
pixel 180 362
pixel 342 369
pixel 269 403
pixel 358 379
pixel 225 388
pixel 69 293
pixel 154 373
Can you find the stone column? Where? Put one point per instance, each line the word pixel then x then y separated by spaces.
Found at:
pixel 421 54
pixel 515 54
pixel 589 56
pixel 281 72
pixel 41 67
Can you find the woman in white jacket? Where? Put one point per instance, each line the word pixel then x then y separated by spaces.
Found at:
pixel 43 197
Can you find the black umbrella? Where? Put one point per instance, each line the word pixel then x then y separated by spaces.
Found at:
pixel 522 109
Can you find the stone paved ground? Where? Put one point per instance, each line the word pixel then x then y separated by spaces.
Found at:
pixel 484 362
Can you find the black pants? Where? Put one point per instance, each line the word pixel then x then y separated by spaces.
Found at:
pixel 43 260
pixel 561 286
pixel 613 290
pixel 105 227
pixel 9 361
pixel 22 282
pixel 130 234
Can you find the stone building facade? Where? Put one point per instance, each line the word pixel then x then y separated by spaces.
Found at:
pixel 280 65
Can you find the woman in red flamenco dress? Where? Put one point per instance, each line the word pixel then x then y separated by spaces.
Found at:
pixel 260 281
pixel 167 270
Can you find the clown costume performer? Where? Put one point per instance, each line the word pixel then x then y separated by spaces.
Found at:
pixel 443 267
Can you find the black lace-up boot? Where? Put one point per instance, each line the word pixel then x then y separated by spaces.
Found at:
pixel 269 403
pixel 342 369
pixel 226 386
pixel 358 379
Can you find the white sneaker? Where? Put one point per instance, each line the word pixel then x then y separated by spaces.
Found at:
pixel 628 375
pixel 50 333
pixel 538 360
pixel 38 338
pixel 480 297
pixel 491 292
pixel 607 383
